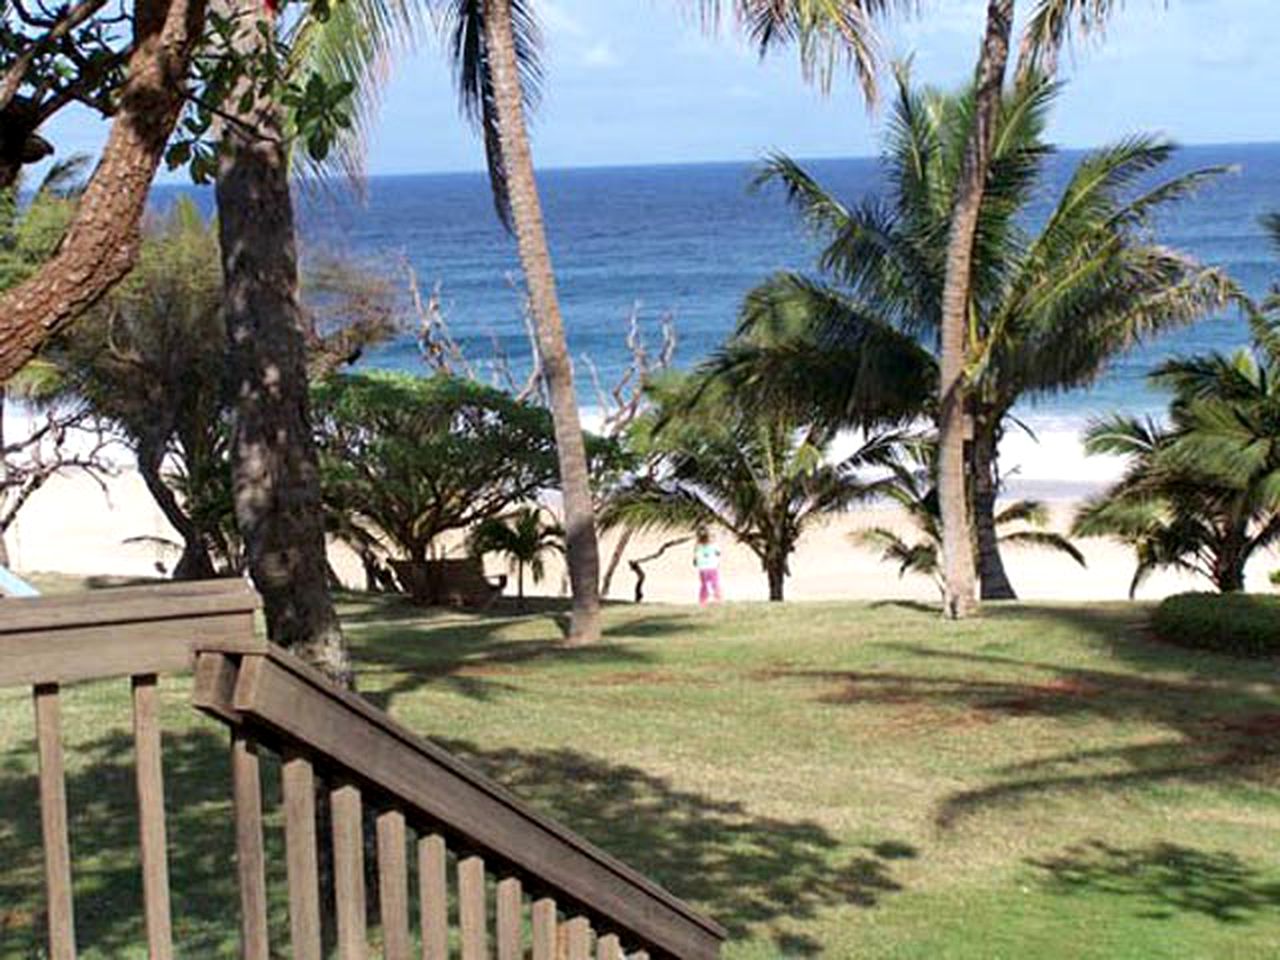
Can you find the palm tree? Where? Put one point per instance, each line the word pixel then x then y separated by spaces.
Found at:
pixel 494 49
pixel 763 477
pixel 914 489
pixel 1051 306
pixel 1201 494
pixel 1050 25
pixel 524 539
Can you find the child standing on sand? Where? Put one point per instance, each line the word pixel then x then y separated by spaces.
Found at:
pixel 706 560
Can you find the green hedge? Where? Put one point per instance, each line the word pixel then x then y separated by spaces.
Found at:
pixel 1243 624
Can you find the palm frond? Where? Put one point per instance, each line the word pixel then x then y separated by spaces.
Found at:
pixel 473 79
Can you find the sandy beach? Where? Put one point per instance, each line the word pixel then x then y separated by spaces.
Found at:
pixel 70 526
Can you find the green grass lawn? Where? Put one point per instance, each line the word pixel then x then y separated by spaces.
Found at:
pixel 839 780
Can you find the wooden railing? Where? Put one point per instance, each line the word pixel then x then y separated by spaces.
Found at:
pixel 570 899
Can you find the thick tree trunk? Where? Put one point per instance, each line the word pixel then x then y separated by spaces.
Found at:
pixel 957 537
pixel 776 571
pixel 102 243
pixel 275 475
pixel 582 547
pixel 994 582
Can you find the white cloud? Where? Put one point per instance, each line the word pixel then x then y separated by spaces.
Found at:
pixel 601 55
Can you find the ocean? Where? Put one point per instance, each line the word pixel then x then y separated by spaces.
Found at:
pixel 690 241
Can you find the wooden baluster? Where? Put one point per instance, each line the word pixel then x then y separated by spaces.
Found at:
pixel 608 947
pixel 544 929
pixel 53 824
pixel 578 939
pixel 348 871
pixel 246 791
pixel 510 920
pixel 472 920
pixel 433 895
pixel 393 886
pixel 151 825
pixel 301 859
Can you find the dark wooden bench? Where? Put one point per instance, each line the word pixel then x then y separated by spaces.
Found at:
pixel 459 582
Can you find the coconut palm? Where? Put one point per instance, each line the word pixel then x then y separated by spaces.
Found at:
pixel 1050 25
pixel 913 488
pixel 494 50
pixel 1201 494
pixel 763 477
pixel 524 538
pixel 1051 306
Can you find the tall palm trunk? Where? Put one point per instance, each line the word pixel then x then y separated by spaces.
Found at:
pixel 957 537
pixel 582 547
pixel 993 581
pixel 275 477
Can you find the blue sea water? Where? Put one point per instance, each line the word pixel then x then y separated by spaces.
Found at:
pixel 691 240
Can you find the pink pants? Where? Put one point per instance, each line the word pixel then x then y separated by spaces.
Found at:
pixel 708 585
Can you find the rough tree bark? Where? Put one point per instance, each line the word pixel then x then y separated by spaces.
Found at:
pixel 582 546
pixel 957 536
pixel 993 580
pixel 102 243
pixel 775 569
pixel 274 469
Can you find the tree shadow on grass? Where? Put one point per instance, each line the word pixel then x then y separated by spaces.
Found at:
pixel 103 826
pixel 474 656
pixel 753 873
pixel 1224 729
pixel 1168 879
pixel 747 871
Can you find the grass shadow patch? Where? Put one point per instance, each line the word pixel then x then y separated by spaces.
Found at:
pixel 1167 879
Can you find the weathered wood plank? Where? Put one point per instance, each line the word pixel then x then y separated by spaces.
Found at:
pixel 472 913
pixel 345 809
pixel 53 824
pixel 578 939
pixel 164 601
pixel 94 652
pixel 510 919
pixel 246 788
pixel 393 886
pixel 608 948
pixel 286 695
pixel 545 937
pixel 301 860
pixel 151 822
pixel 433 895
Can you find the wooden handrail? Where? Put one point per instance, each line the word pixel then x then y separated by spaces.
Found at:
pixel 336 749
pixel 122 632
pixel 280 698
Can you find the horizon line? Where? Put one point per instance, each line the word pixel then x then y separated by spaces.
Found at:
pixel 738 161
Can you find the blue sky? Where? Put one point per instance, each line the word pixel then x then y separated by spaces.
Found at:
pixel 637 81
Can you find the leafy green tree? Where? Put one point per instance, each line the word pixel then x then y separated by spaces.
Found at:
pixel 408 459
pixel 913 488
pixel 151 361
pixel 762 477
pixel 1050 25
pixel 1052 305
pixel 1202 493
pixel 524 537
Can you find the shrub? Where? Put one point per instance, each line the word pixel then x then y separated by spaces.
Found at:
pixel 1242 624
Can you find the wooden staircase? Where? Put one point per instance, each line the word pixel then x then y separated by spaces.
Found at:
pixel 557 897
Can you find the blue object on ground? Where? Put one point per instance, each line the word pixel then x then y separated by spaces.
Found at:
pixel 11 585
